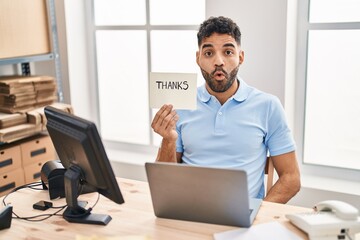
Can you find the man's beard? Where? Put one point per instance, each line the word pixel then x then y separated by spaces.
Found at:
pixel 220 86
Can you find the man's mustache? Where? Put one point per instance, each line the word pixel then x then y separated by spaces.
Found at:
pixel 217 69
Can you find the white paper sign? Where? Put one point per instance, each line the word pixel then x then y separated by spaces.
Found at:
pixel 177 89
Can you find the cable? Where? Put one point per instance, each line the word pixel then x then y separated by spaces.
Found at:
pixel 29 185
pixel 42 217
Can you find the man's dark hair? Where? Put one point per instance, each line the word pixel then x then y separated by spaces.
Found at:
pixel 222 25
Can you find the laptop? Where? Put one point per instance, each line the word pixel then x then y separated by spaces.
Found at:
pixel 201 194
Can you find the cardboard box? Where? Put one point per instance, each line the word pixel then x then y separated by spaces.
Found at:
pixel 25 93
pixel 63 106
pixel 14 133
pixel 34 117
pixel 9 120
pixel 37 116
pixel 24 28
pixel 10 180
pixel 10 159
pixel 32 172
pixel 38 148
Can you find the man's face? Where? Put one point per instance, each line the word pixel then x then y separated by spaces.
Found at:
pixel 219 58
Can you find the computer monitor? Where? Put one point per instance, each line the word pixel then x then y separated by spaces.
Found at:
pixel 80 150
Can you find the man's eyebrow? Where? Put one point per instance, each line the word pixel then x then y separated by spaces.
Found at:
pixel 229 45
pixel 206 46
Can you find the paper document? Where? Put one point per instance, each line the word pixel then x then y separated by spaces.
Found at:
pixel 265 231
pixel 178 89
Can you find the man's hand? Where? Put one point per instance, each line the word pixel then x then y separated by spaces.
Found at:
pixel 164 123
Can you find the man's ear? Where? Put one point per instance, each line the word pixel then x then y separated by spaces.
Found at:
pixel 197 57
pixel 241 57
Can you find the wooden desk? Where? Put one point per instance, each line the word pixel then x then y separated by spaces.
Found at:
pixel 134 217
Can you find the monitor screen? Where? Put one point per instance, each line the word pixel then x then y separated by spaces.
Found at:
pixel 80 150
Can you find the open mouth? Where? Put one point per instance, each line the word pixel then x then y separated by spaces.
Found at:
pixel 218 75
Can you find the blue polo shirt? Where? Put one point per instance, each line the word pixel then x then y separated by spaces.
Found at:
pixel 237 134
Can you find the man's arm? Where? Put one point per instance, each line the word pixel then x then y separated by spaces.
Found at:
pixel 288 183
pixel 164 124
pixel 167 153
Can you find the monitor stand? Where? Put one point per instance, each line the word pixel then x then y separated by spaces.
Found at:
pixel 76 212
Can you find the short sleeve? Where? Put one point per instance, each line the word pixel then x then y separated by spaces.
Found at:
pixel 179 144
pixel 279 139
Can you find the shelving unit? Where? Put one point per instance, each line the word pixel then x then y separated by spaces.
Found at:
pixel 51 55
pixel 32 36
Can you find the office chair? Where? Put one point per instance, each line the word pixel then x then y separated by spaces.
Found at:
pixel 269 171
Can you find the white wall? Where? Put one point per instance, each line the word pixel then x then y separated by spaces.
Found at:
pixel 76 31
pixel 263 28
pixel 269 41
pixel 8 70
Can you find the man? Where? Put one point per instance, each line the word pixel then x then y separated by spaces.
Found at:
pixel 234 125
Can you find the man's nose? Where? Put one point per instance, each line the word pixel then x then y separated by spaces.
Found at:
pixel 218 61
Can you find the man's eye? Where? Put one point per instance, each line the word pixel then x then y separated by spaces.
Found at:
pixel 208 54
pixel 228 52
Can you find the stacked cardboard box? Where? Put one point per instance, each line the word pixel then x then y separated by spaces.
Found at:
pixel 22 102
pixel 22 125
pixel 24 93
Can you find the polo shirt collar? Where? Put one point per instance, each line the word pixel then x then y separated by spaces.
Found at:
pixel 243 91
pixel 241 94
pixel 204 95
